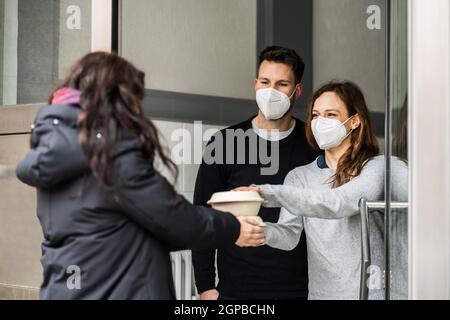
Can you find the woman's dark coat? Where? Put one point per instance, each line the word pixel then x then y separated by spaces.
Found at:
pixel 95 247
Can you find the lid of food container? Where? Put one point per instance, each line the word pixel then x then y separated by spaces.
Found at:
pixel 235 196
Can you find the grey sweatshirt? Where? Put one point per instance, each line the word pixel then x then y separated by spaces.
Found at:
pixel 330 218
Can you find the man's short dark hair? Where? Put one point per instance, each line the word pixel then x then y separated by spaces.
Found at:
pixel 286 56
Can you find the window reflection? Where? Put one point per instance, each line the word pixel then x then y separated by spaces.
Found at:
pixel 39 40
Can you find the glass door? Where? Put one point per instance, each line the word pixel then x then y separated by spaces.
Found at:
pixel 366 42
pixel 397 208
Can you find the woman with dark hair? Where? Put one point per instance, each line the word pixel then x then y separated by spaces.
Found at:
pixel 323 197
pixel 109 218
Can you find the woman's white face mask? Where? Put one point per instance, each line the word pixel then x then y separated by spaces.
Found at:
pixel 273 104
pixel 329 133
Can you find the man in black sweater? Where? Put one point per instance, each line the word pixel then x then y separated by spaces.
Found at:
pixel 262 272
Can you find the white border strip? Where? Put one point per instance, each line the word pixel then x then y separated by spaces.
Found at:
pixel 429 133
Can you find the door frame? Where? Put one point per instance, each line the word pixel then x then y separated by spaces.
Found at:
pixel 429 154
pixel 102 25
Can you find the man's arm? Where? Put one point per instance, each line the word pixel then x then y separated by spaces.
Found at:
pixel 211 178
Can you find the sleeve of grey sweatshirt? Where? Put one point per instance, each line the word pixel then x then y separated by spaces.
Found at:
pixel 285 234
pixel 337 203
pixel 399 180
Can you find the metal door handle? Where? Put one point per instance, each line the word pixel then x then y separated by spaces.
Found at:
pixel 364 207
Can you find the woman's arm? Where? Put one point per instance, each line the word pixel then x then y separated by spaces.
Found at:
pixel 148 199
pixel 285 234
pixel 335 203
pixel 55 154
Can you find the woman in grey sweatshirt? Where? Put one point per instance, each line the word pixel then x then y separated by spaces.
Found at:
pixel 322 198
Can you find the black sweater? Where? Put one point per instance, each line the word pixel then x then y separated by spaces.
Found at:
pixel 253 273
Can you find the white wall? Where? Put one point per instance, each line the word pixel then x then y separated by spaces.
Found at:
pixel 191 141
pixel 203 47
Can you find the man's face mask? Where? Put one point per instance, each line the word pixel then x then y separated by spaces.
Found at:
pixel 273 104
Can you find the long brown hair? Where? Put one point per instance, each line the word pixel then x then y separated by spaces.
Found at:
pixel 112 90
pixel 364 144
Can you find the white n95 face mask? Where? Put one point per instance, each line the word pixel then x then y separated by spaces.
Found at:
pixel 273 104
pixel 329 133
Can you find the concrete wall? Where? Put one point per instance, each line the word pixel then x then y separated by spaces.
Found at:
pixel 344 48
pixel 20 232
pixel 203 47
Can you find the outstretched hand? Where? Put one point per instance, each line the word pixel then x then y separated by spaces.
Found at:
pixel 249 188
pixel 252 232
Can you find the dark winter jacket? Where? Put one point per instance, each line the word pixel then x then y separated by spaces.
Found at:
pixel 96 247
